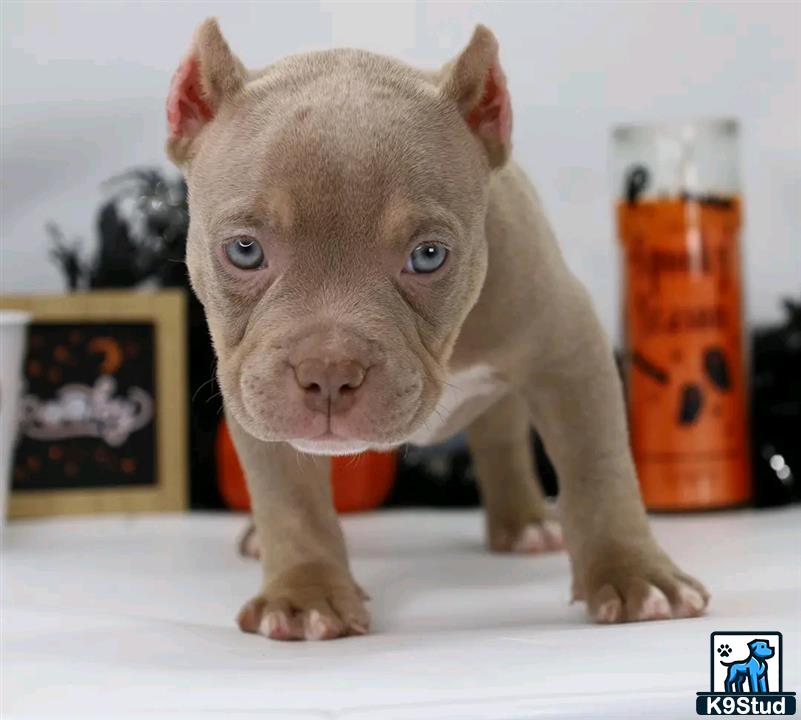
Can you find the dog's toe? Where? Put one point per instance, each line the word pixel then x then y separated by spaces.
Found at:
pixel 654 606
pixel 606 606
pixel 283 620
pixel 688 602
pixel 532 538
pixel 306 611
pixel 636 587
pixel 633 601
pixel 278 625
pixel 648 595
pixel 322 625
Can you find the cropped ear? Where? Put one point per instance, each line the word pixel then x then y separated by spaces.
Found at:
pixel 475 81
pixel 209 75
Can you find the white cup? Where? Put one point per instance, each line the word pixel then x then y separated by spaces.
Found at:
pixel 13 339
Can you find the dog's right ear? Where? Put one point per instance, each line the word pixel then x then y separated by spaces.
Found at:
pixel 209 75
pixel 476 82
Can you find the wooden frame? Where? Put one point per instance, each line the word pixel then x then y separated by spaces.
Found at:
pixel 166 310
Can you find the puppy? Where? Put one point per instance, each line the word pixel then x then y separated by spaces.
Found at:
pixel 375 270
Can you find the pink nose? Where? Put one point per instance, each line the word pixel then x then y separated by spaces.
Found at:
pixel 329 386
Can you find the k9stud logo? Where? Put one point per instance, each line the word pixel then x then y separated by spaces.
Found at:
pixel 745 676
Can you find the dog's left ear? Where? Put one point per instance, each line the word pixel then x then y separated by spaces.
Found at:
pixel 209 75
pixel 475 81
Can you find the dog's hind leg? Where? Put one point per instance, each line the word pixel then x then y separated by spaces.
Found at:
pixel 518 518
pixel 731 680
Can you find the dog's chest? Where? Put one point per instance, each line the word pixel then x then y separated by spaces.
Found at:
pixel 467 394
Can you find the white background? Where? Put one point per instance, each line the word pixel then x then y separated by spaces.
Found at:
pixel 84 85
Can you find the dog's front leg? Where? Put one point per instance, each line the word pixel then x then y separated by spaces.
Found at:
pixel 308 591
pixel 754 681
pixel 577 404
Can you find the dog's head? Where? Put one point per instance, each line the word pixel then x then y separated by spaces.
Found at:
pixel 337 204
pixel 761 649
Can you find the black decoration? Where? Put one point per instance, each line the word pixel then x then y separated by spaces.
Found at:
pixel 776 410
pixel 141 229
pixel 141 241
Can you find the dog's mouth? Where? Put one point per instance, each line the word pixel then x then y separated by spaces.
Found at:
pixel 330 444
pixel 326 436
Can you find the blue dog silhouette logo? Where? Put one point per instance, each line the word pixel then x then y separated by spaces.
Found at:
pixel 752 671
pixel 746 676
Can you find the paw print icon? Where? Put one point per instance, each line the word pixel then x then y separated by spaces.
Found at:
pixel 724 650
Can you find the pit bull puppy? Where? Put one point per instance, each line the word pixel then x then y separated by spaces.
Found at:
pixel 375 270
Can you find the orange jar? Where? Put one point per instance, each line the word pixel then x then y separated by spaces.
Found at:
pixel 679 216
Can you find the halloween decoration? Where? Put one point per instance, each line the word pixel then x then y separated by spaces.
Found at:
pixel 142 228
pixel 103 410
pixel 776 409
pixel 141 242
pixel 679 221
pixel 360 482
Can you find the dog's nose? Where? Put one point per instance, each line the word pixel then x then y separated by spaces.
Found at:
pixel 329 386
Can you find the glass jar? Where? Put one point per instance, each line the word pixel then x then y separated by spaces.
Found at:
pixel 679 216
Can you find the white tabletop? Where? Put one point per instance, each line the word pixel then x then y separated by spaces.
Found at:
pixel 133 616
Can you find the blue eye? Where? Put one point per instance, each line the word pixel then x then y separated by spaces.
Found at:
pixel 245 253
pixel 426 258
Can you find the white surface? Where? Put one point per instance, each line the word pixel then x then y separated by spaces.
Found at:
pixel 84 85
pixel 124 617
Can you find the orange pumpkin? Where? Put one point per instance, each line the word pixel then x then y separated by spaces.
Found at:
pixel 359 482
pixel 230 478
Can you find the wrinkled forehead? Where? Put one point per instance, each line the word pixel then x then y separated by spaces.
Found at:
pixel 342 162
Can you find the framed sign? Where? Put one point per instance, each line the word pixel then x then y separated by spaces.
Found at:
pixel 102 422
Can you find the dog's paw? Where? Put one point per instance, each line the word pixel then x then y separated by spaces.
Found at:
pixel 636 592
pixel 724 650
pixel 249 543
pixel 309 603
pixel 531 538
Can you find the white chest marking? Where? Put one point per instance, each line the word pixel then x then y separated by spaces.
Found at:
pixel 468 386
